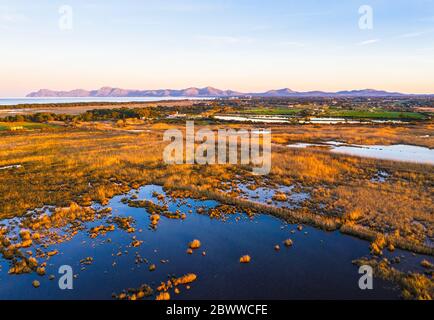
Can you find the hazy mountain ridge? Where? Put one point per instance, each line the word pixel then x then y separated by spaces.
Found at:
pixel 207 92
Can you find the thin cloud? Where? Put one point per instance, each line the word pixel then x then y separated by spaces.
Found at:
pixel 415 34
pixel 411 35
pixel 368 42
pixel 309 14
pixel 12 18
pixel 125 21
pixel 189 7
pixel 261 28
pixel 170 6
pixel 292 44
pixel 224 40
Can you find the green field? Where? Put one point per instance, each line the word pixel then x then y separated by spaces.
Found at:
pixel 341 113
pixel 272 111
pixel 375 114
pixel 23 126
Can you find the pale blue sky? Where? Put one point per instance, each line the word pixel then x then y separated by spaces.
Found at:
pixel 246 45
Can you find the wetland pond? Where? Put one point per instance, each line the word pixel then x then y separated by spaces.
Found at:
pixel 397 152
pixel 292 119
pixel 317 266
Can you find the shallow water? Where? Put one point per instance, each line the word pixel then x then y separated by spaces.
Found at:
pixel 258 119
pixel 397 152
pixel 265 194
pixel 317 266
pixel 347 120
pixel 14 166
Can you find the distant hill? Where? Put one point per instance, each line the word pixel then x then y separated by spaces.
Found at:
pixel 278 93
pixel 207 92
pixel 117 92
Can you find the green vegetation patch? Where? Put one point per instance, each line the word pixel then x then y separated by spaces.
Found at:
pixel 16 126
pixel 272 111
pixel 341 113
pixel 376 114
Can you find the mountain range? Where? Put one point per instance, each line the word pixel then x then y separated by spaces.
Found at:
pixel 208 92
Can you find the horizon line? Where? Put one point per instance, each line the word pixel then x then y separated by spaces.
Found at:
pixel 255 92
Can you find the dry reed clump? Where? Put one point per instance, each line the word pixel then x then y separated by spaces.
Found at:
pixel 125 223
pixel 156 210
pixel 310 167
pixel 426 264
pixel 413 285
pixel 388 208
pixel 288 243
pixel 100 230
pixel 174 284
pixel 222 211
pixel 354 215
pixel 378 245
pixel 280 197
pixel 188 278
pixel 135 294
pixel 245 259
pixel 155 218
pixel 195 244
pixel 163 296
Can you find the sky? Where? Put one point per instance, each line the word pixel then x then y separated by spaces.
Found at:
pixel 244 45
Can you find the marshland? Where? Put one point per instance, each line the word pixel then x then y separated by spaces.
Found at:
pixel 90 189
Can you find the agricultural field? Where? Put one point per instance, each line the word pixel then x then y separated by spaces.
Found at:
pixel 272 111
pixel 356 114
pixel 380 114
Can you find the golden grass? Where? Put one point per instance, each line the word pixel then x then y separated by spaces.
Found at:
pixel 69 165
pixel 85 164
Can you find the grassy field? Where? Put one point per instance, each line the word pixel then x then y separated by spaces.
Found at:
pixel 24 126
pixel 272 111
pixel 341 113
pixel 360 114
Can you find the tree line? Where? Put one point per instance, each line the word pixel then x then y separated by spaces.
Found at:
pixel 90 115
